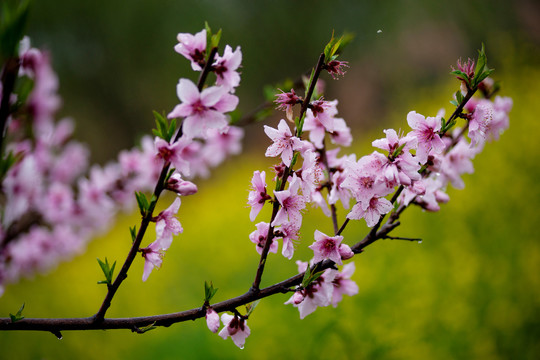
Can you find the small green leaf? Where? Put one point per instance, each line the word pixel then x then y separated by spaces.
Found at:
pixel 251 307
pixel 107 271
pixel 398 151
pixel 454 102
pixel 310 276
pixel 142 201
pixel 18 316
pixel 133 232
pixel 209 291
pixel 146 328
pixel 12 27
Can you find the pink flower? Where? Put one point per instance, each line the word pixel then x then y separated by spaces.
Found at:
pixel 402 168
pixel 336 68
pixel 480 123
pixel 311 173
pixel 363 177
pixel 193 48
pixel 457 162
pixel 370 211
pixel 153 257
pixel 202 110
pixel 338 192
pixel 168 225
pixel 212 320
pixel 426 130
pixel 326 247
pixel 341 134
pixel 433 195
pixel 343 284
pixel 324 112
pixel 172 153
pixel 502 106
pixel 257 196
pixel 318 293
pixel 235 327
pixel 225 68
pixel 288 232
pixel 259 236
pixel 286 101
pixel 284 142
pixel 291 204
pixel 222 143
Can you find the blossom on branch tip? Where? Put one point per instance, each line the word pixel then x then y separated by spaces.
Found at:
pixel 193 48
pixel 235 327
pixel 202 110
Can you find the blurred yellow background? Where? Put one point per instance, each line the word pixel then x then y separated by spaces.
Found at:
pixel 471 290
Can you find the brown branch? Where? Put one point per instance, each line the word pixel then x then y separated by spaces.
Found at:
pixel 9 75
pixel 122 275
pixel 270 235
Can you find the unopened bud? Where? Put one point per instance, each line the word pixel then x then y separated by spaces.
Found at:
pixel 297 298
pixel 345 251
pixel 180 186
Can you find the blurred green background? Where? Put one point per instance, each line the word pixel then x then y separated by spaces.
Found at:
pixel 471 290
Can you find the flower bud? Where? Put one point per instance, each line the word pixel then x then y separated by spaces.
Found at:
pixel 297 298
pixel 180 186
pixel 345 251
pixel 212 320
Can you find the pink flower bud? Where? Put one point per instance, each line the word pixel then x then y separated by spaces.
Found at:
pixel 212 320
pixel 345 251
pixel 297 298
pixel 180 186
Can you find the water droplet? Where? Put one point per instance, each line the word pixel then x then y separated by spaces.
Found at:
pixel 419 241
pixel 379 31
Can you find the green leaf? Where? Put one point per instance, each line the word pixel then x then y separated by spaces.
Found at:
pixel 146 328
pixel 133 232
pixel 107 271
pixel 209 291
pixel 7 162
pixel 481 71
pixel 18 316
pixel 12 27
pixel 212 40
pixel 454 102
pixel 251 307
pixel 215 39
pixel 310 277
pixel 398 151
pixel 142 201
